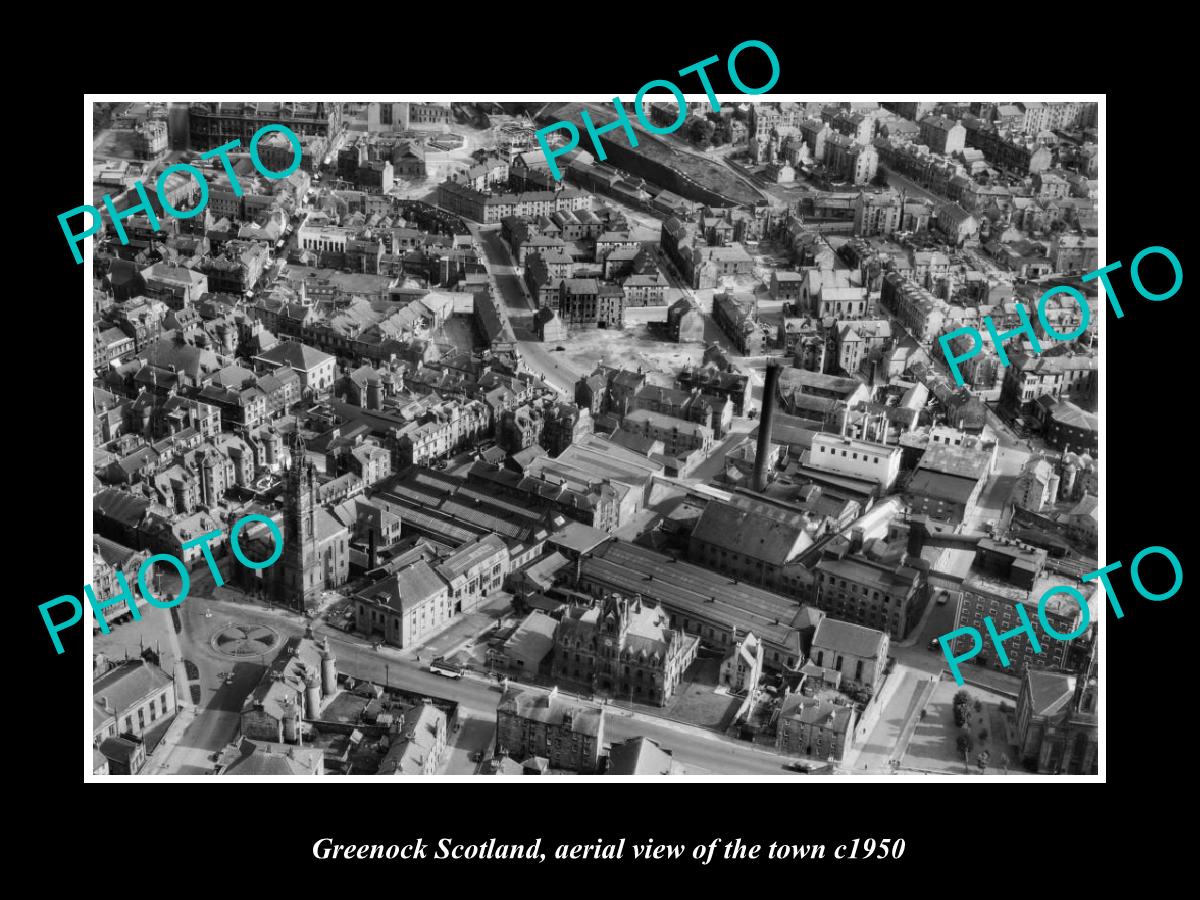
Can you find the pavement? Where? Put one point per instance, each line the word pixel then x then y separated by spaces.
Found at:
pixel 510 289
pixel 887 739
pixel 197 734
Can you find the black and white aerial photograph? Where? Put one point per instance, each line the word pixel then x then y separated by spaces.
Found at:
pixel 444 438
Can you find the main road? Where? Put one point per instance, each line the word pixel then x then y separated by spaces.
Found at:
pixel 509 289
pixel 912 188
pixel 215 722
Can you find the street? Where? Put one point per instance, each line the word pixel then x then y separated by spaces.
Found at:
pixel 510 290
pixel 715 463
pixel 900 182
pixel 194 738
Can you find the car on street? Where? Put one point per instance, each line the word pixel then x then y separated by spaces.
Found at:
pixel 942 598
pixel 798 767
pixel 934 644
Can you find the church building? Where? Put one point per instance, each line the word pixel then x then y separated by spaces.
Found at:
pixel 316 546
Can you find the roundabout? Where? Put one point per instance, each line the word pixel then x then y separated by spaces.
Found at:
pixel 244 641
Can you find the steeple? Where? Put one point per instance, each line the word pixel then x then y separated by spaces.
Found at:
pixel 301 584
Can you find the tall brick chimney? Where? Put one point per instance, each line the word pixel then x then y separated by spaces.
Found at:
pixel 766 420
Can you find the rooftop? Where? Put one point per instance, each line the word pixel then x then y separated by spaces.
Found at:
pixel 682 587
pixel 639 756
pixel 845 637
pixel 551 709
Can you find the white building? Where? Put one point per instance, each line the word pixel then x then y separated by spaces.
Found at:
pixel 742 667
pixel 856 459
pixel 315 367
pixel 322 238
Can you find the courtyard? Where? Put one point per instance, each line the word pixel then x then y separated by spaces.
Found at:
pixel 933 746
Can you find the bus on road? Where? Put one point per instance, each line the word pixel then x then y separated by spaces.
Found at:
pixel 442 666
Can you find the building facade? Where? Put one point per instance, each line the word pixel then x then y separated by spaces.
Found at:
pixel 623 647
pixel 534 723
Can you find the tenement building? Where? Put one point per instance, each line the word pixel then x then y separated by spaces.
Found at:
pixel 623 647
pixel 213 124
pixel 536 723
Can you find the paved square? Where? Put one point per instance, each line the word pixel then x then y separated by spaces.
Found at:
pixel 934 742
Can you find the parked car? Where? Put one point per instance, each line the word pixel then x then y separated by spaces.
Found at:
pixel 798 767
pixel 934 644
pixel 942 598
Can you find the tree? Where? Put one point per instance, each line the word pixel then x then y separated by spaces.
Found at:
pixel 701 132
pixel 965 745
pixel 978 706
pixel 983 735
pixel 962 698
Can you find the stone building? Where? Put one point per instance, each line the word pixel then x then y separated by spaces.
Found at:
pixel 1057 723
pixel 857 652
pixel 129 699
pixel 743 664
pixel 534 723
pixel 815 727
pixel 685 322
pixel 623 647
pixel 316 546
pixel 404 608
pixel 299 682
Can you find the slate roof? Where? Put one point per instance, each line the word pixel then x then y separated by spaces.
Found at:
pixel 1049 692
pixel 408 588
pixel 298 355
pixel 410 749
pixel 261 758
pixel 691 590
pixel 962 462
pixel 120 506
pixel 550 708
pixel 639 756
pixel 845 637
pixel 941 486
pixel 532 641
pixel 125 686
pixel 820 713
pixel 758 531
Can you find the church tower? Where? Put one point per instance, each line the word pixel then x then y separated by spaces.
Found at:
pixel 302 582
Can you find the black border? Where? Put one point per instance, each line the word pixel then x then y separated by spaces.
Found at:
pixel 1147 431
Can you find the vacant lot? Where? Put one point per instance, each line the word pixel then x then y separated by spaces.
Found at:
pixel 695 702
pixel 632 347
pixel 114 143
